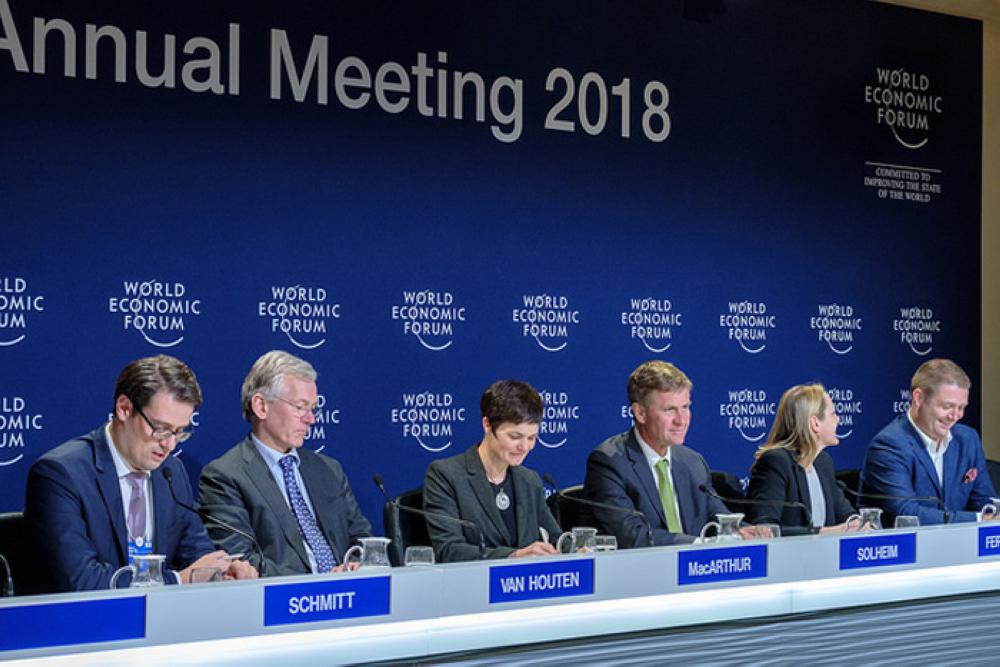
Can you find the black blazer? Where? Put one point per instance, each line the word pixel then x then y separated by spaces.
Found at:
pixel 777 476
pixel 457 486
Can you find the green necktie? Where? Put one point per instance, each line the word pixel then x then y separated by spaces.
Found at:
pixel 667 496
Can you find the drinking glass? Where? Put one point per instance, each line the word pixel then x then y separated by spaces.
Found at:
pixel 418 556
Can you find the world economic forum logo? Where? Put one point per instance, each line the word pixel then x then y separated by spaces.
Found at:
pixel 17 305
pixel 836 325
pixel 559 414
pixel 546 319
pixel 748 412
pixel 916 327
pixel 429 418
pixel 652 321
pixel 158 310
pixel 430 317
pixel 301 313
pixel 906 103
pixel 17 424
pixel 748 323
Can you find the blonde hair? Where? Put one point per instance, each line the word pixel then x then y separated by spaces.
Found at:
pixel 791 429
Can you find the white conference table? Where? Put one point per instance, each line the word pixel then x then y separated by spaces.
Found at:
pixel 413 613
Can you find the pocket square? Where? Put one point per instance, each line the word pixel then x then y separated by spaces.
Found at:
pixel 970 476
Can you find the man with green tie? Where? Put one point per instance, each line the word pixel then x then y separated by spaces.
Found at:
pixel 647 470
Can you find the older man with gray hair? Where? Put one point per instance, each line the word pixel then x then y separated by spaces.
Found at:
pixel 297 503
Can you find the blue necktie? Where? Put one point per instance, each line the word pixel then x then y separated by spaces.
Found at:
pixel 325 560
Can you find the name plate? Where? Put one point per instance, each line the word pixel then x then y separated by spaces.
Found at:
pixel 326 600
pixel 878 551
pixel 535 581
pixel 989 541
pixel 701 566
pixel 68 623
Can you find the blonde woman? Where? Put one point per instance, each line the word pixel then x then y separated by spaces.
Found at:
pixel 793 468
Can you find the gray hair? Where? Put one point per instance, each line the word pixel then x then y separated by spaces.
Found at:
pixel 267 378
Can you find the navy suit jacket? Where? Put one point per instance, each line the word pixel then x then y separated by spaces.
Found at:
pixel 73 508
pixel 619 474
pixel 457 486
pixel 239 489
pixel 776 475
pixel 897 464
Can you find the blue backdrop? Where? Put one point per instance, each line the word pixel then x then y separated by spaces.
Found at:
pixel 763 193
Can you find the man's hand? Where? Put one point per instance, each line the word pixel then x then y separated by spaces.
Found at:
pixel 346 567
pixel 217 560
pixel 240 569
pixel 756 532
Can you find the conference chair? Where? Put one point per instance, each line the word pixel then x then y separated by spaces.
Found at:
pixel 572 514
pixel 993 469
pixel 728 485
pixel 27 567
pixel 404 528
pixel 851 477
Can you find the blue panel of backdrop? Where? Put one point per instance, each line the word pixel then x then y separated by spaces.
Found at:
pixel 420 198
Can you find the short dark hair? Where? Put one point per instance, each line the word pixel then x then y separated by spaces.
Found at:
pixel 511 401
pixel 142 378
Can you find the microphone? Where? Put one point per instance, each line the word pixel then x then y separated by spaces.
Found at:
pixel 377 479
pixel 704 488
pixel 8 578
pixel 168 475
pixel 881 496
pixel 606 506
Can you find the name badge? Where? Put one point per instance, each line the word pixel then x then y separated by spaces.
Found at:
pixel 138 547
pixel 700 566
pixel 878 551
pixel 326 600
pixel 535 581
pixel 989 541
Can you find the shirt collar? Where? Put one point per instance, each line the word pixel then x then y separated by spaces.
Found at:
pixel 272 455
pixel 648 451
pixel 928 441
pixel 121 468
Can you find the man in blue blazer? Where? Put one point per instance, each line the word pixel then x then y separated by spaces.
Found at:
pixel 97 500
pixel 926 452
pixel 296 503
pixel 648 470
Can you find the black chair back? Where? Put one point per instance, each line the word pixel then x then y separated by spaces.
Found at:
pixel 28 569
pixel 728 485
pixel 405 528
pixel 851 477
pixel 572 514
pixel 993 469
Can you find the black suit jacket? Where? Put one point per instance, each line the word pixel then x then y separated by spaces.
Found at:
pixel 458 486
pixel 618 473
pixel 777 476
pixel 239 489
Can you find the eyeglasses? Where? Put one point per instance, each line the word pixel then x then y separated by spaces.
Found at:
pixel 302 410
pixel 161 433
